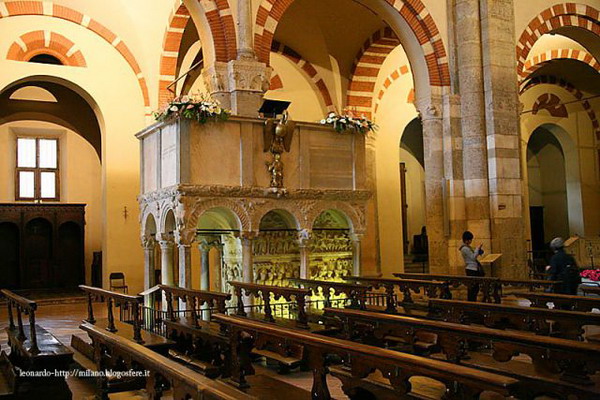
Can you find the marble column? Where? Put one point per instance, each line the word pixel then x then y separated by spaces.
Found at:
pixel 356 253
pixel 204 265
pixel 474 142
pixel 166 264
pixel 304 238
pixel 503 137
pixel 370 250
pixel 244 31
pixel 149 245
pixel 247 256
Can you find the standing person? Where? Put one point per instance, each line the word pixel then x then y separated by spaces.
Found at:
pixel 472 265
pixel 563 268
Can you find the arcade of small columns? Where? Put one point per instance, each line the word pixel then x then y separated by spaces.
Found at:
pixel 177 234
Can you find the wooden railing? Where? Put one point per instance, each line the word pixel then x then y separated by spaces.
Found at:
pixel 565 324
pixel 563 301
pixel 489 286
pixel 432 289
pixel 278 292
pixel 194 300
pixel 575 361
pixel 162 373
pixel 126 302
pixel 529 284
pixel 397 367
pixel 22 306
pixel 355 292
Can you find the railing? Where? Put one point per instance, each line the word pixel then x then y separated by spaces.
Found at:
pixel 153 319
pixel 194 299
pixel 353 291
pixel 22 306
pixel 129 309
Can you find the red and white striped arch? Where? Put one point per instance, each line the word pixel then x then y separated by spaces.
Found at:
pixel 538 61
pixel 367 64
pixel 556 17
pixel 395 75
pixel 412 11
pixel 49 9
pixel 551 80
pixel 34 43
pixel 309 69
pixel 276 82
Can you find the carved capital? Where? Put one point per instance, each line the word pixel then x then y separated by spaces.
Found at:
pixel 215 78
pixel 248 75
pixel 304 237
pixel 184 237
pixel 148 242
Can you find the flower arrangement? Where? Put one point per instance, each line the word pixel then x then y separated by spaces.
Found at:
pixel 591 274
pixel 200 108
pixel 349 123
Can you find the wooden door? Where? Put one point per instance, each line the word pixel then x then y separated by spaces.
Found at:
pixel 70 260
pixel 37 270
pixel 9 256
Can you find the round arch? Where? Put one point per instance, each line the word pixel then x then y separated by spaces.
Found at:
pixel 572 175
pixel 279 217
pixel 219 217
pixel 410 20
pixel 75 108
pixel 149 226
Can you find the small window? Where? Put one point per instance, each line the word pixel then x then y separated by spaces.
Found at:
pixel 37 169
pixel 45 59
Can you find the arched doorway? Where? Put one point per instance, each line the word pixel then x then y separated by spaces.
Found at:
pixel 553 185
pixel 70 270
pixel 331 250
pixel 412 197
pixel 38 270
pixel 10 250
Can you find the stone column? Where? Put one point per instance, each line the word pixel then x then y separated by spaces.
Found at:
pixel 435 208
pixel 356 253
pixel 166 264
pixel 247 256
pixel 370 250
pixel 503 137
pixel 204 265
pixel 474 145
pixel 149 245
pixel 304 238
pixel 244 31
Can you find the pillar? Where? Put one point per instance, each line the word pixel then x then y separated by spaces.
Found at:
pixel 370 250
pixel 204 265
pixel 247 256
pixel 503 137
pixel 304 238
pixel 244 25
pixel 474 142
pixel 149 246
pixel 166 263
pixel 356 253
pixel 435 187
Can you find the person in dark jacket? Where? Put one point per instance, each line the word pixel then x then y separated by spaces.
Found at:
pixel 563 268
pixel 472 265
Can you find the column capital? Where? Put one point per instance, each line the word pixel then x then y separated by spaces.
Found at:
pixel 184 237
pixel 148 242
pixel 304 237
pixel 247 235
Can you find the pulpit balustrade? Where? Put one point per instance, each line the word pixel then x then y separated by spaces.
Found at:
pixel 357 293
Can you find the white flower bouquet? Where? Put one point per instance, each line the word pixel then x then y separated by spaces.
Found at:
pixel 349 123
pixel 200 108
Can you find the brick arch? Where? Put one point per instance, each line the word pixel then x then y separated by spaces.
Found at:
pixel 275 82
pixel 309 69
pixel 558 16
pixel 365 70
pixel 391 78
pixel 413 12
pixel 539 60
pixel 45 42
pixel 551 80
pixel 220 18
pixel 49 9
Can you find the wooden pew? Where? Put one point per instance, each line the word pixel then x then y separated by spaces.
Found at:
pixel 130 307
pixel 490 287
pixel 572 361
pixel 35 349
pixel 563 301
pixel 432 289
pixel 355 292
pixel 529 284
pixel 198 341
pixel 588 289
pixel 360 360
pixel 159 373
pixel 565 324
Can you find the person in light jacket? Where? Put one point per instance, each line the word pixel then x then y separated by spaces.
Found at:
pixel 472 265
